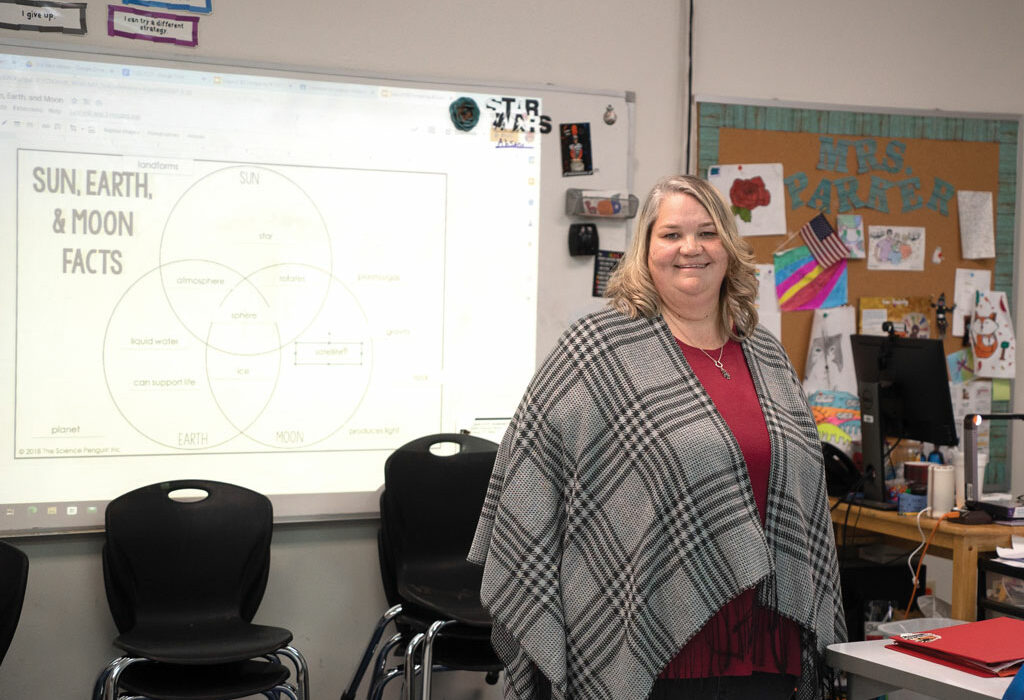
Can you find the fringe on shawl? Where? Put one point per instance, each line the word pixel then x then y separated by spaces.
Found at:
pixel 817 679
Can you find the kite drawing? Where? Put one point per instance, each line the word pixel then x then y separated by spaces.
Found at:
pixel 801 283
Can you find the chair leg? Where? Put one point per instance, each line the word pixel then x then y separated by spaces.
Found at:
pixel 389 615
pixel 301 669
pixel 380 666
pixel 275 694
pixel 410 665
pixel 113 678
pixel 428 655
pixel 377 690
pixel 99 687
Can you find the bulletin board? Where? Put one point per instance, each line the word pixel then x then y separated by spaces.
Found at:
pixel 890 169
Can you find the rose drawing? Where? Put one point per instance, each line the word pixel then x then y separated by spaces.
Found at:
pixel 748 194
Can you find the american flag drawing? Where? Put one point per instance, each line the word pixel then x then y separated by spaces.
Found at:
pixel 825 244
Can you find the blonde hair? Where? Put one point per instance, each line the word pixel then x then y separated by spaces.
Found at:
pixel 631 289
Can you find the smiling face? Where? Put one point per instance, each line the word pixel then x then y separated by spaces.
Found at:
pixel 685 256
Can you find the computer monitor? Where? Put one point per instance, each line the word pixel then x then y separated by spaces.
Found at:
pixel 903 387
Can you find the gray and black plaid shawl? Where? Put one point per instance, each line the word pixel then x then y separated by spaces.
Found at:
pixel 619 516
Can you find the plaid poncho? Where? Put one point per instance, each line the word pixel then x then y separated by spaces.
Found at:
pixel 619 517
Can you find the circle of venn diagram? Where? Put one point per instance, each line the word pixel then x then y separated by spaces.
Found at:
pixel 242 329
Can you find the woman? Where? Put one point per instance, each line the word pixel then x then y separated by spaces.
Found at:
pixel 656 523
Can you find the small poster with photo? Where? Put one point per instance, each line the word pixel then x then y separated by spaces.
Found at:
pixel 910 316
pixel 577 158
pixel 851 230
pixel 895 248
pixel 605 263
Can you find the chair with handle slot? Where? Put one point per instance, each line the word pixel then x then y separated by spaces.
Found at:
pixel 428 513
pixel 185 566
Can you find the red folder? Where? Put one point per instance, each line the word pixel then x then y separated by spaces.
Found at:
pixel 985 648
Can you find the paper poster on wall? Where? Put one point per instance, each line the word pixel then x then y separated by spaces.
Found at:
pixel 829 354
pixel 159 27
pixel 837 415
pixel 972 397
pixel 909 316
pixel 851 230
pixel 767 303
pixel 801 283
pixel 965 284
pixel 992 338
pixel 959 364
pixel 1001 389
pixel 755 194
pixel 577 157
pixel 977 225
pixel 201 6
pixel 830 382
pixel 896 247
pixel 31 15
pixel 605 263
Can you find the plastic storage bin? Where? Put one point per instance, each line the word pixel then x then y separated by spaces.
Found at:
pixel 916 624
pixel 1000 589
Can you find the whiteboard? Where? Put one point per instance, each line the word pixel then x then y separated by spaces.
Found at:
pixel 271 277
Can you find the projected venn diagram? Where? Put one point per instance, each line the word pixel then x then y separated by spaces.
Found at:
pixel 242 336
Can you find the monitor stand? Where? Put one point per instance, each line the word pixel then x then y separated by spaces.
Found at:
pixel 872 447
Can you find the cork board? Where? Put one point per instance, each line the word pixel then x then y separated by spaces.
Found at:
pixel 921 194
pixel 831 161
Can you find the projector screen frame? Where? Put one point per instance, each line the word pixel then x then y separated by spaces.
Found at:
pixel 556 305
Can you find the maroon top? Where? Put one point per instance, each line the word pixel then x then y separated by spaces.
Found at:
pixel 741 638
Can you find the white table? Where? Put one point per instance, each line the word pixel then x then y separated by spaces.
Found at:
pixel 873 670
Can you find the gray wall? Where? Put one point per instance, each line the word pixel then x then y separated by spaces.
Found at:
pixel 915 54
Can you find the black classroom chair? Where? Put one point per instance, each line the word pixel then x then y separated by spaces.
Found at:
pixel 13 581
pixel 428 513
pixel 184 577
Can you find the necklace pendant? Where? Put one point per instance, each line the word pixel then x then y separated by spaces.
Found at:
pixel 721 368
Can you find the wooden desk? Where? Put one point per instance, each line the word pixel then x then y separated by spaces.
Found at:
pixel 961 543
pixel 873 670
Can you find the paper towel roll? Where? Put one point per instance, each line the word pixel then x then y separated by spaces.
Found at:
pixel 940 489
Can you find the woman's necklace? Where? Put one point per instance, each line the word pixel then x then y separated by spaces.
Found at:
pixel 718 362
